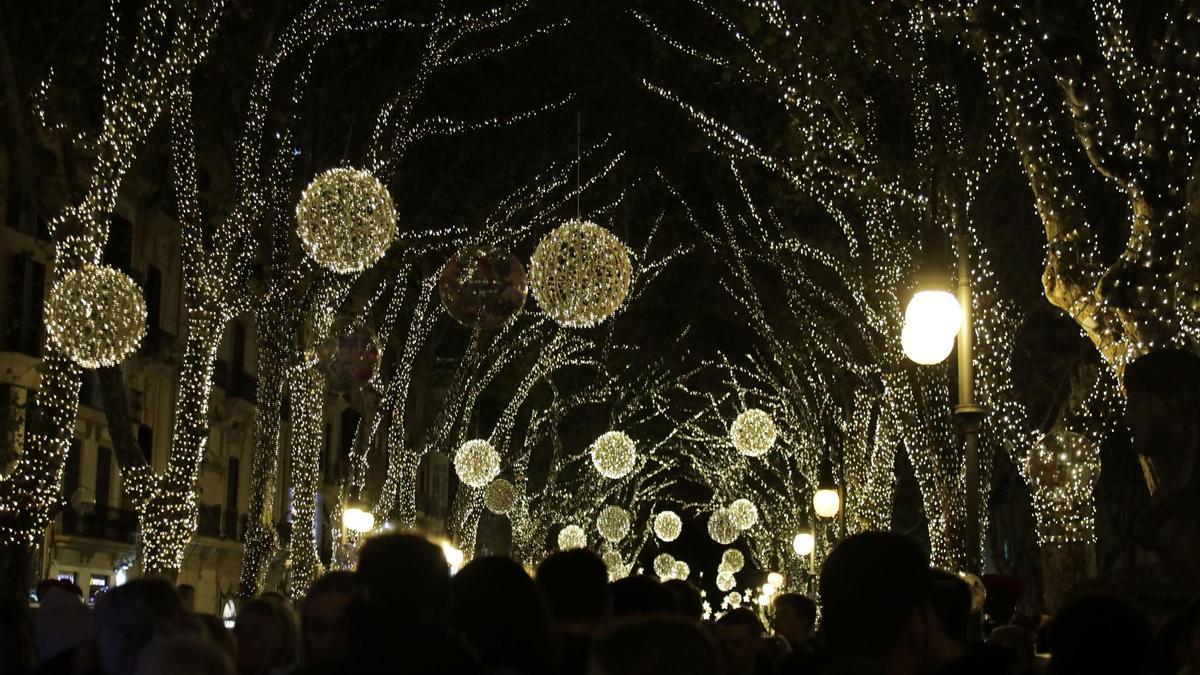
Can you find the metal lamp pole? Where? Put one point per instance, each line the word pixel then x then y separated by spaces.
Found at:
pixel 969 413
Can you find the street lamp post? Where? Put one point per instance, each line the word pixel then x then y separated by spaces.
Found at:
pixel 932 321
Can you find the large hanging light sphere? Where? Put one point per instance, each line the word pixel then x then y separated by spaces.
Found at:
pixel 804 543
pixel 499 496
pixel 931 322
pixel 477 463
pixel 732 561
pixel 614 454
pixel 744 514
pixel 753 432
pixel 826 502
pixel 580 274
pixel 681 570
pixel 721 527
pixel 350 355
pixel 613 523
pixel 667 526
pixel 664 565
pixel 483 286
pixel 571 537
pixel 346 220
pixel 96 316
pixel 726 581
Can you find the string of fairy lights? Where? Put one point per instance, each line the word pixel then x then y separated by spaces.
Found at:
pixel 779 426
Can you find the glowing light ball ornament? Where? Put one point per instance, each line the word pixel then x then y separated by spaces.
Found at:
pixel 732 561
pixel 667 526
pixel 744 514
pixel 734 599
pixel 571 537
pixel 96 316
pixel 580 274
pixel 499 496
pixel 931 322
pixel 477 463
pixel 614 454
pixel 482 286
pixel 725 581
pixel 753 433
pixel 346 220
pixel 682 570
pixel 664 565
pixel 613 523
pixel 721 527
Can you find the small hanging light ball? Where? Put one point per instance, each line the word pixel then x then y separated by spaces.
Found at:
pixel 667 526
pixel 477 463
pixel 664 565
pixel 732 561
pixel 346 220
pixel 721 527
pixel 613 523
pixel 725 581
pixel 499 496
pixel 614 454
pixel 570 537
pixel 96 315
pixel 753 433
pixel 681 570
pixel 580 274
pixel 744 514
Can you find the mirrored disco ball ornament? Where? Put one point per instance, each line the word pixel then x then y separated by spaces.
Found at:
pixel 614 454
pixel 346 220
pixel 96 316
pixel 664 565
pixel 753 433
pixel 351 355
pixel 732 561
pixel 499 496
pixel 667 526
pixel 580 274
pixel 744 514
pixel 725 581
pixel 613 523
pixel 477 463
pixel 571 536
pixel 482 286
pixel 721 527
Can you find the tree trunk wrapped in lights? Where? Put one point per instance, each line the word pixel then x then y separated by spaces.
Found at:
pixel 260 542
pixel 306 391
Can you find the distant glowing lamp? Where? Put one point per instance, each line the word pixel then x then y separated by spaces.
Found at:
pixel 931 322
pixel 804 543
pixel 358 518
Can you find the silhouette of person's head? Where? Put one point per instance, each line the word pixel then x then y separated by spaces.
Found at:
pixel 266 630
pixel 687 598
pixel 1099 634
pixel 875 595
pixel 498 609
pixel 575 586
pixel 322 617
pixel 661 645
pixel 794 617
pixel 130 616
pixel 738 634
pixel 639 596
pixel 950 598
pixel 408 575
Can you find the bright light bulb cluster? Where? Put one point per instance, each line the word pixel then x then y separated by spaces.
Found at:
pixel 346 220
pixel 753 432
pixel 571 537
pixel 613 523
pixel 580 274
pixel 1063 469
pixel 667 526
pixel 96 315
pixel 614 454
pixel 477 463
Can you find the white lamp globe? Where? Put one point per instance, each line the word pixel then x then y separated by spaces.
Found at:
pixel 357 519
pixel 826 502
pixel 804 543
pixel 931 322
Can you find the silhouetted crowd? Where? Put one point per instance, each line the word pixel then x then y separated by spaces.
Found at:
pixel 883 611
